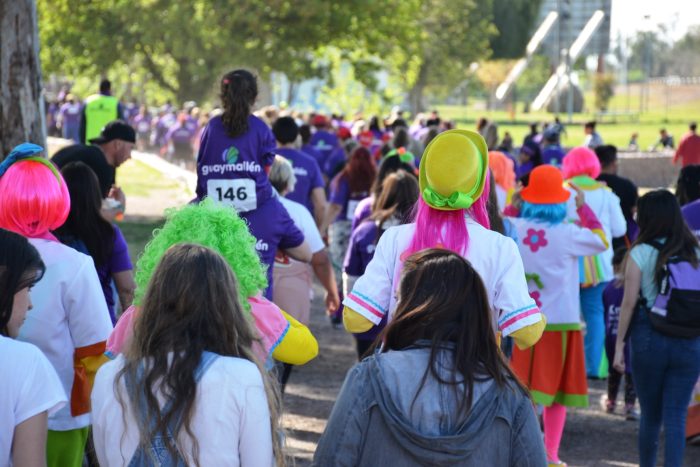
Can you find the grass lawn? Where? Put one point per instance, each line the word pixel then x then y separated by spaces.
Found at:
pixel 137 234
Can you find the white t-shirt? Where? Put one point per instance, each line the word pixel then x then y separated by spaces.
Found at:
pixel 606 206
pixel 304 222
pixel 69 311
pixel 29 387
pixel 494 256
pixel 231 419
pixel 551 253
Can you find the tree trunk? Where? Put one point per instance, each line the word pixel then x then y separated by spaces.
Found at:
pixel 415 95
pixel 21 101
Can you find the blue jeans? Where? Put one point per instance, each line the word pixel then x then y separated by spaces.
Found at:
pixel 594 339
pixel 664 370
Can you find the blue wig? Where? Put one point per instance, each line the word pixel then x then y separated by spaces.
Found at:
pixel 547 213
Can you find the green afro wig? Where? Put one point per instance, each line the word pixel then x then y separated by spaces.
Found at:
pixel 213 226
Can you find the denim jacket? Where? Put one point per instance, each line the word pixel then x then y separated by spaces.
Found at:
pixel 378 420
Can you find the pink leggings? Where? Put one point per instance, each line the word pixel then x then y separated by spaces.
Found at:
pixel 554 418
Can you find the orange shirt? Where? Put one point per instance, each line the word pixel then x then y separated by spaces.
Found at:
pixel 688 150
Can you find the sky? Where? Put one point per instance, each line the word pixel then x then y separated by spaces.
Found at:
pixel 627 16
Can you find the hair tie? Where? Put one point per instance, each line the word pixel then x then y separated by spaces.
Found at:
pixel 226 81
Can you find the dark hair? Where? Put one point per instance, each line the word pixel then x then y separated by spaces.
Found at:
pixel 607 154
pixel 401 138
pixel 693 126
pixel 359 170
pixel 398 123
pixel 85 222
pixel 239 89
pixel 619 255
pixel 20 267
pixel 387 166
pixel 191 306
pixel 533 128
pixel 305 132
pixel 430 135
pixel 374 123
pixel 399 195
pixel 659 216
pixel 285 130
pixel 688 184
pixel 493 210
pixel 105 86
pixel 451 314
pixel 590 125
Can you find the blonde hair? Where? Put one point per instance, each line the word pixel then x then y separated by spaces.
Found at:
pixel 282 175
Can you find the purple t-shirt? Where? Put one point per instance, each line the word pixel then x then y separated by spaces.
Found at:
pixel 362 211
pixel 612 300
pixel 192 124
pixel 691 214
pixel 142 123
pixel 363 242
pixel 271 225
pixel 340 194
pixel 325 143
pixel 553 155
pixel 311 151
pixel 179 134
pixel 307 173
pixel 334 163
pixel 70 114
pixel 231 171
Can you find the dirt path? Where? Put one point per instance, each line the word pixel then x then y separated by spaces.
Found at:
pixel 591 437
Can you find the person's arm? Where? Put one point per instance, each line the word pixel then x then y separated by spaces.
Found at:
pixel 318 200
pixel 29 441
pixel 618 223
pixel 321 264
pixel 633 281
pixel 342 440
pixel 298 346
pixel 83 125
pixel 332 211
pixel 300 253
pixel 120 111
pixel 126 286
pixel 678 156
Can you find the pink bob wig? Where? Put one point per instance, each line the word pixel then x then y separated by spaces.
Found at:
pixel 34 198
pixel 447 229
pixel 580 161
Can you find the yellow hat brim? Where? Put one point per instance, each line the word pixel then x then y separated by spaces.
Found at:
pixel 450 164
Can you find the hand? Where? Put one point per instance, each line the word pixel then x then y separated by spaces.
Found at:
pixel 580 196
pixel 332 302
pixel 116 193
pixel 619 360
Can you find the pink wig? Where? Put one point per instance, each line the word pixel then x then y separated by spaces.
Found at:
pixel 33 198
pixel 447 229
pixel 580 161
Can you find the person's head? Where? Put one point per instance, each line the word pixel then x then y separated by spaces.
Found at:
pixel 20 268
pixel 530 152
pixel 533 128
pixel 285 130
pixel 105 86
pixel 663 132
pixel 143 110
pixel 282 176
pixel 607 156
pixel 693 127
pixel 34 197
pixel 320 122
pixel 85 221
pixel 399 195
pixel 580 161
pixel 70 98
pixel 453 183
pixel 659 217
pixel 481 124
pixel 387 166
pixel 589 127
pixel 401 139
pixel 430 135
pixel 494 211
pixel 117 139
pixel 452 315
pixel 239 89
pixel 544 198
pixel 213 226
pixel 398 123
pixel 374 123
pixel 688 185
pixel 618 261
pixel 191 306
pixel 360 170
pixel 305 133
pixel 502 169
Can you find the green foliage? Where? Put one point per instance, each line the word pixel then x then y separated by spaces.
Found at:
pixel 515 23
pixel 604 89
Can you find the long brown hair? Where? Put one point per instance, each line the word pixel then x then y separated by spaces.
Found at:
pixel 659 216
pixel 399 195
pixel 443 302
pixel 239 89
pixel 359 171
pixel 190 306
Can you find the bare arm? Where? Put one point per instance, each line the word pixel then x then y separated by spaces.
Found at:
pixel 29 442
pixel 332 211
pixel 300 253
pixel 633 280
pixel 125 287
pixel 318 200
pixel 324 272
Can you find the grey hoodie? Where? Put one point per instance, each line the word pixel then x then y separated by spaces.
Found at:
pixel 375 421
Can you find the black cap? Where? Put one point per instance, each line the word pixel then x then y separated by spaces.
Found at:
pixel 116 129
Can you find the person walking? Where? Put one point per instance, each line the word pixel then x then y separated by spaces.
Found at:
pixel 688 152
pixel 99 109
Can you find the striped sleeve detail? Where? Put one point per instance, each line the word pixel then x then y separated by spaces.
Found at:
pixel 601 235
pixel 364 306
pixel 518 319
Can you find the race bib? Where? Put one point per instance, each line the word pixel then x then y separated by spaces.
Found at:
pixel 352 206
pixel 238 193
pixel 143 127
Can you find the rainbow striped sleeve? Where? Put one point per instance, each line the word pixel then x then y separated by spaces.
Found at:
pixel 510 322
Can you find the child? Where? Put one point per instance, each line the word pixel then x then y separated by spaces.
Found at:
pixel 69 321
pixel 612 299
pixel 188 390
pixel 553 369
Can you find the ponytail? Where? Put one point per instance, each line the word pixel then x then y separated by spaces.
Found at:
pixel 239 89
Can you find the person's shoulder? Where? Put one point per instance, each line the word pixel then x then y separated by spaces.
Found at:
pixel 23 354
pixel 56 252
pixel 257 123
pixel 365 229
pixel 241 371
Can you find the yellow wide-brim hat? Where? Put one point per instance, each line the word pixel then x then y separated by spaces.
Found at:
pixel 453 170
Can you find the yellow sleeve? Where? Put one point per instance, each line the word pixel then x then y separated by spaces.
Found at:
pixel 529 335
pixel 355 322
pixel 86 361
pixel 298 346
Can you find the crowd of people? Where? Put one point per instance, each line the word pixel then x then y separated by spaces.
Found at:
pixel 484 286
